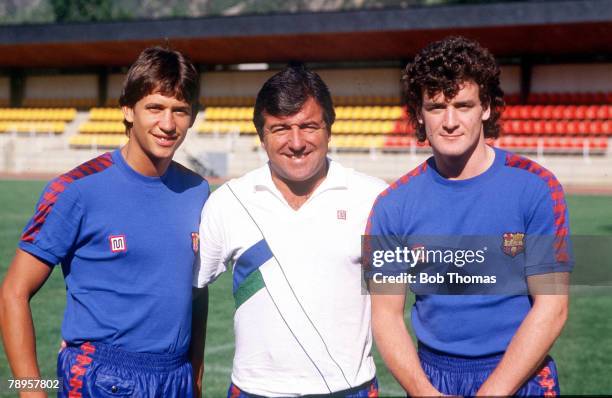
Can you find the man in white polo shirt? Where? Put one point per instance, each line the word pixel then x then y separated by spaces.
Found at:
pixel 292 231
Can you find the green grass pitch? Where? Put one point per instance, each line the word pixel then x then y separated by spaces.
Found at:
pixel 583 352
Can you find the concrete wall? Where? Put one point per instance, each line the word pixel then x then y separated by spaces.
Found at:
pixel 510 79
pixel 572 78
pixel 61 86
pixel 232 84
pixel 115 84
pixel 362 82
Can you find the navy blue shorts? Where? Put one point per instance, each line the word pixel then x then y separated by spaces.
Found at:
pixel 366 390
pixel 97 370
pixel 463 376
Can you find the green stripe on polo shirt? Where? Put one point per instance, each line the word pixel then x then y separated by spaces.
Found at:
pixel 251 285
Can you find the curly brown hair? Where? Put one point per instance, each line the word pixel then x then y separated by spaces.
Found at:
pixel 443 66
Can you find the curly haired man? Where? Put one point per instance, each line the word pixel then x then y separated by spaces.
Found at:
pixel 473 344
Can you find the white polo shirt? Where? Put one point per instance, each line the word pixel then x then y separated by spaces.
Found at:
pixel 302 320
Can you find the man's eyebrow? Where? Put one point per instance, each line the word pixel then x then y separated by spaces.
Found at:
pixel 464 103
pixel 433 103
pixel 181 108
pixel 279 124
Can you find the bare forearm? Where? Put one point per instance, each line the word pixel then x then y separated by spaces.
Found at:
pixel 397 349
pixel 526 351
pixel 18 336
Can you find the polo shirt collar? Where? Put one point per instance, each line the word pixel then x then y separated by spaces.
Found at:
pixel 337 178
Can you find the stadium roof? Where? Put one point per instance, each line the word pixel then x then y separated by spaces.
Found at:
pixel 573 28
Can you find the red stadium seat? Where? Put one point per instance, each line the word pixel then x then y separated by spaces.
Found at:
pixel 515 127
pixel 577 142
pixel 512 112
pixel 535 112
pixel 549 127
pixel 537 98
pixel 566 98
pixel 527 127
pixel 569 112
pixel 399 126
pixel 391 141
pixel 582 127
pixel 602 112
pixel 547 112
pixel 571 127
pixel 581 112
pixel 606 128
pixel 548 142
pixel 565 142
pixel 538 127
pixel 593 127
pixel 599 143
pixel 591 112
pixel 557 112
pixel 598 98
pixel 560 127
pixel 512 99
pixel 524 112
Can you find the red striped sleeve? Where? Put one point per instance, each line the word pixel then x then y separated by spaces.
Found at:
pixel 559 207
pixel 53 191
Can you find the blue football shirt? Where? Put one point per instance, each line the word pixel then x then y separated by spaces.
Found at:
pixel 514 197
pixel 127 244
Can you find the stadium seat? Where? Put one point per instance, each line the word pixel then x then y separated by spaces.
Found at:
pixel 102 127
pixel 37 114
pixel 59 102
pixel 97 140
pixel 114 114
pixel 32 127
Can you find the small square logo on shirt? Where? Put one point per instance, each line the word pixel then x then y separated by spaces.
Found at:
pixel 341 214
pixel 117 243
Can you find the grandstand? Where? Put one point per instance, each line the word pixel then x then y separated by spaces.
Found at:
pixel 60 83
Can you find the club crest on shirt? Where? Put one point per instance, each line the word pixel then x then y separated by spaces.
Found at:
pixel 341 214
pixel 513 243
pixel 195 241
pixel 117 243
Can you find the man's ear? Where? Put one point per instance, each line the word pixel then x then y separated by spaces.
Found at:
pixel 419 117
pixel 486 113
pixel 128 113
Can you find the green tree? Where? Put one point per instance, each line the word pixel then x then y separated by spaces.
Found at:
pixel 86 10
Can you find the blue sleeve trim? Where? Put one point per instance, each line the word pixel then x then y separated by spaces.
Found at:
pixel 549 268
pixel 40 254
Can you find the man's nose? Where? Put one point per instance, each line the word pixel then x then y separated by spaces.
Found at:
pixel 450 119
pixel 166 122
pixel 296 139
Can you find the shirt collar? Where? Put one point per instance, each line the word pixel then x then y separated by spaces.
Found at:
pixel 337 178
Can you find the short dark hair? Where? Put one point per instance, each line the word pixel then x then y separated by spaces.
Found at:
pixel 442 67
pixel 286 92
pixel 160 70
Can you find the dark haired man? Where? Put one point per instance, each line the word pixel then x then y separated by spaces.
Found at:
pixel 124 228
pixel 477 344
pixel 291 229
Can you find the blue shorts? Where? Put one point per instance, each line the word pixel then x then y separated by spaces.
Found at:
pixel 463 376
pixel 366 390
pixel 98 370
